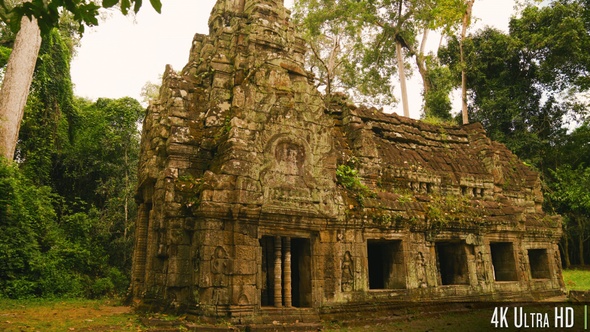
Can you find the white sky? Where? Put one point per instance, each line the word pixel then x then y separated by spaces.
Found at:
pixel 120 55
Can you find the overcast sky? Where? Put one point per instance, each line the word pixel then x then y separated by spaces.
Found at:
pixel 119 56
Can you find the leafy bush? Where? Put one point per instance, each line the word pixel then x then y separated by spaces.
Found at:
pixel 349 177
pixel 40 257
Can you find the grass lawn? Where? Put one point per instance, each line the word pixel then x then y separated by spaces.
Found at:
pixel 66 315
pixel 107 315
pixel 576 279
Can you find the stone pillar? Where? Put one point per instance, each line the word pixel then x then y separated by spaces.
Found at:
pixel 278 273
pixel 287 271
pixel 140 254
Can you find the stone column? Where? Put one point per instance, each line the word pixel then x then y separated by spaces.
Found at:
pixel 278 273
pixel 140 254
pixel 287 271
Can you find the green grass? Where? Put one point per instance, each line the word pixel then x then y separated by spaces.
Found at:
pixel 66 315
pixel 576 279
pixel 109 315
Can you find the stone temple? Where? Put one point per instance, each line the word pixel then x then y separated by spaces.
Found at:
pixel 255 193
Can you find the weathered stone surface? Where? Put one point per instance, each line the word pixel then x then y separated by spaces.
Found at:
pixel 242 179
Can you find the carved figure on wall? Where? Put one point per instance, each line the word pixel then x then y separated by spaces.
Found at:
pixel 219 267
pixel 480 268
pixel 347 272
pixel 522 264
pixel 285 179
pixel 421 270
pixel 290 158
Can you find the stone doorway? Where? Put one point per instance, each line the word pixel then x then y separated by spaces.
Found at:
pixel 286 272
pixel 452 263
pixel 503 261
pixel 386 264
pixel 539 264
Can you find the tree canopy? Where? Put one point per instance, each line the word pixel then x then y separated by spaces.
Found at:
pixel 67 205
pixel 48 13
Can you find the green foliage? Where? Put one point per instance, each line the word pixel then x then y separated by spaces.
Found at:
pixel 576 280
pixel 40 257
pixel 341 57
pixel 570 189
pixel 349 177
pixel 525 87
pixel 354 42
pixel 67 211
pixel 445 209
pixel 31 243
pixel 558 35
pixel 437 103
pixel 50 115
pixel 84 12
pixel 4 55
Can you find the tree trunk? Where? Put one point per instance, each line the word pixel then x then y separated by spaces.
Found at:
pixel 466 20
pixel 421 64
pixel 402 78
pixel 16 84
pixel 581 241
pixel 566 249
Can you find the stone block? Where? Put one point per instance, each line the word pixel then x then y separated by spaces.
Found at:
pixel 241 267
pixel 245 253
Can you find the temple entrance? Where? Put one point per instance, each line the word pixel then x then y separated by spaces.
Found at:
pixel 503 261
pixel 286 271
pixel 539 264
pixel 386 264
pixel 452 263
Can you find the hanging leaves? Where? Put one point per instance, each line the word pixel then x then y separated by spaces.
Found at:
pixel 47 13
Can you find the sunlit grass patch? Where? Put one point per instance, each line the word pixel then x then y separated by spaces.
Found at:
pixel 576 279
pixel 64 315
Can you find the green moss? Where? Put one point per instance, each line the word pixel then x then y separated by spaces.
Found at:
pixel 445 209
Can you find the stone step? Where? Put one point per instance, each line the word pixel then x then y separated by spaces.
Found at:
pixel 289 315
pixel 286 327
pixel 177 325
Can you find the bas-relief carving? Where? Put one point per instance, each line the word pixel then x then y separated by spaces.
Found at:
pixel 347 279
pixel 290 158
pixel 421 270
pixel 480 268
pixel 219 267
pixel 219 271
pixel 286 178
pixel 243 299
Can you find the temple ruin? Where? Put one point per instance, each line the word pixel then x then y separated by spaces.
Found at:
pixel 255 193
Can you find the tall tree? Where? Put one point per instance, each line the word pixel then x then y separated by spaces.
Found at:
pixel 464 24
pixel 379 38
pixel 50 116
pixel 16 83
pixel 526 87
pixel 36 17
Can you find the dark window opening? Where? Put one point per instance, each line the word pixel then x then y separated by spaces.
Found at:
pixel 503 261
pixel 539 264
pixel 268 259
pixel 386 264
pixel 301 272
pixel 452 263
